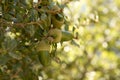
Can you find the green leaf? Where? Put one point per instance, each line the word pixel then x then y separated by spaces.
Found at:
pixel 16 55
pixel 33 15
pixel 7 16
pixel 30 30
pixel 9 44
pixel 4 59
pixel 75 43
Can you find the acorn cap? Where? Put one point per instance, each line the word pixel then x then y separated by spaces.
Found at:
pixel 55 8
pixel 56 34
pixel 56 22
pixel 43 46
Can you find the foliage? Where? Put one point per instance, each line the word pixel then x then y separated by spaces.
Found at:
pixel 29 33
pixel 54 40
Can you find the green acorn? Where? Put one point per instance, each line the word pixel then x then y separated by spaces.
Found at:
pixel 43 49
pixel 66 36
pixel 56 34
pixel 44 57
pixel 57 20
pixel 42 45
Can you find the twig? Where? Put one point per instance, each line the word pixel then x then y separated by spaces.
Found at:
pixel 50 11
pixel 4 22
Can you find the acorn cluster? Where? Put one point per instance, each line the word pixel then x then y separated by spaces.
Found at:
pixel 34 26
pixel 52 20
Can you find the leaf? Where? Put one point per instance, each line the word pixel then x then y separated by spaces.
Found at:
pixel 9 44
pixel 19 17
pixel 75 43
pixel 43 16
pixel 30 30
pixel 16 55
pixel 46 20
pixel 4 59
pixel 8 16
pixel 33 15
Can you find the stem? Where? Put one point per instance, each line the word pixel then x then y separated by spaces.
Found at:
pixel 4 22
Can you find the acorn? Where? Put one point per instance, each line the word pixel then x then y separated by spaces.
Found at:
pixel 66 36
pixel 42 45
pixel 43 49
pixel 57 20
pixel 56 34
pixel 44 57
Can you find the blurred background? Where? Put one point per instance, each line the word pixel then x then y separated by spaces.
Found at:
pixel 95 53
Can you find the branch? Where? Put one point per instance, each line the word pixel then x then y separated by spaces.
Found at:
pixel 49 11
pixel 4 22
